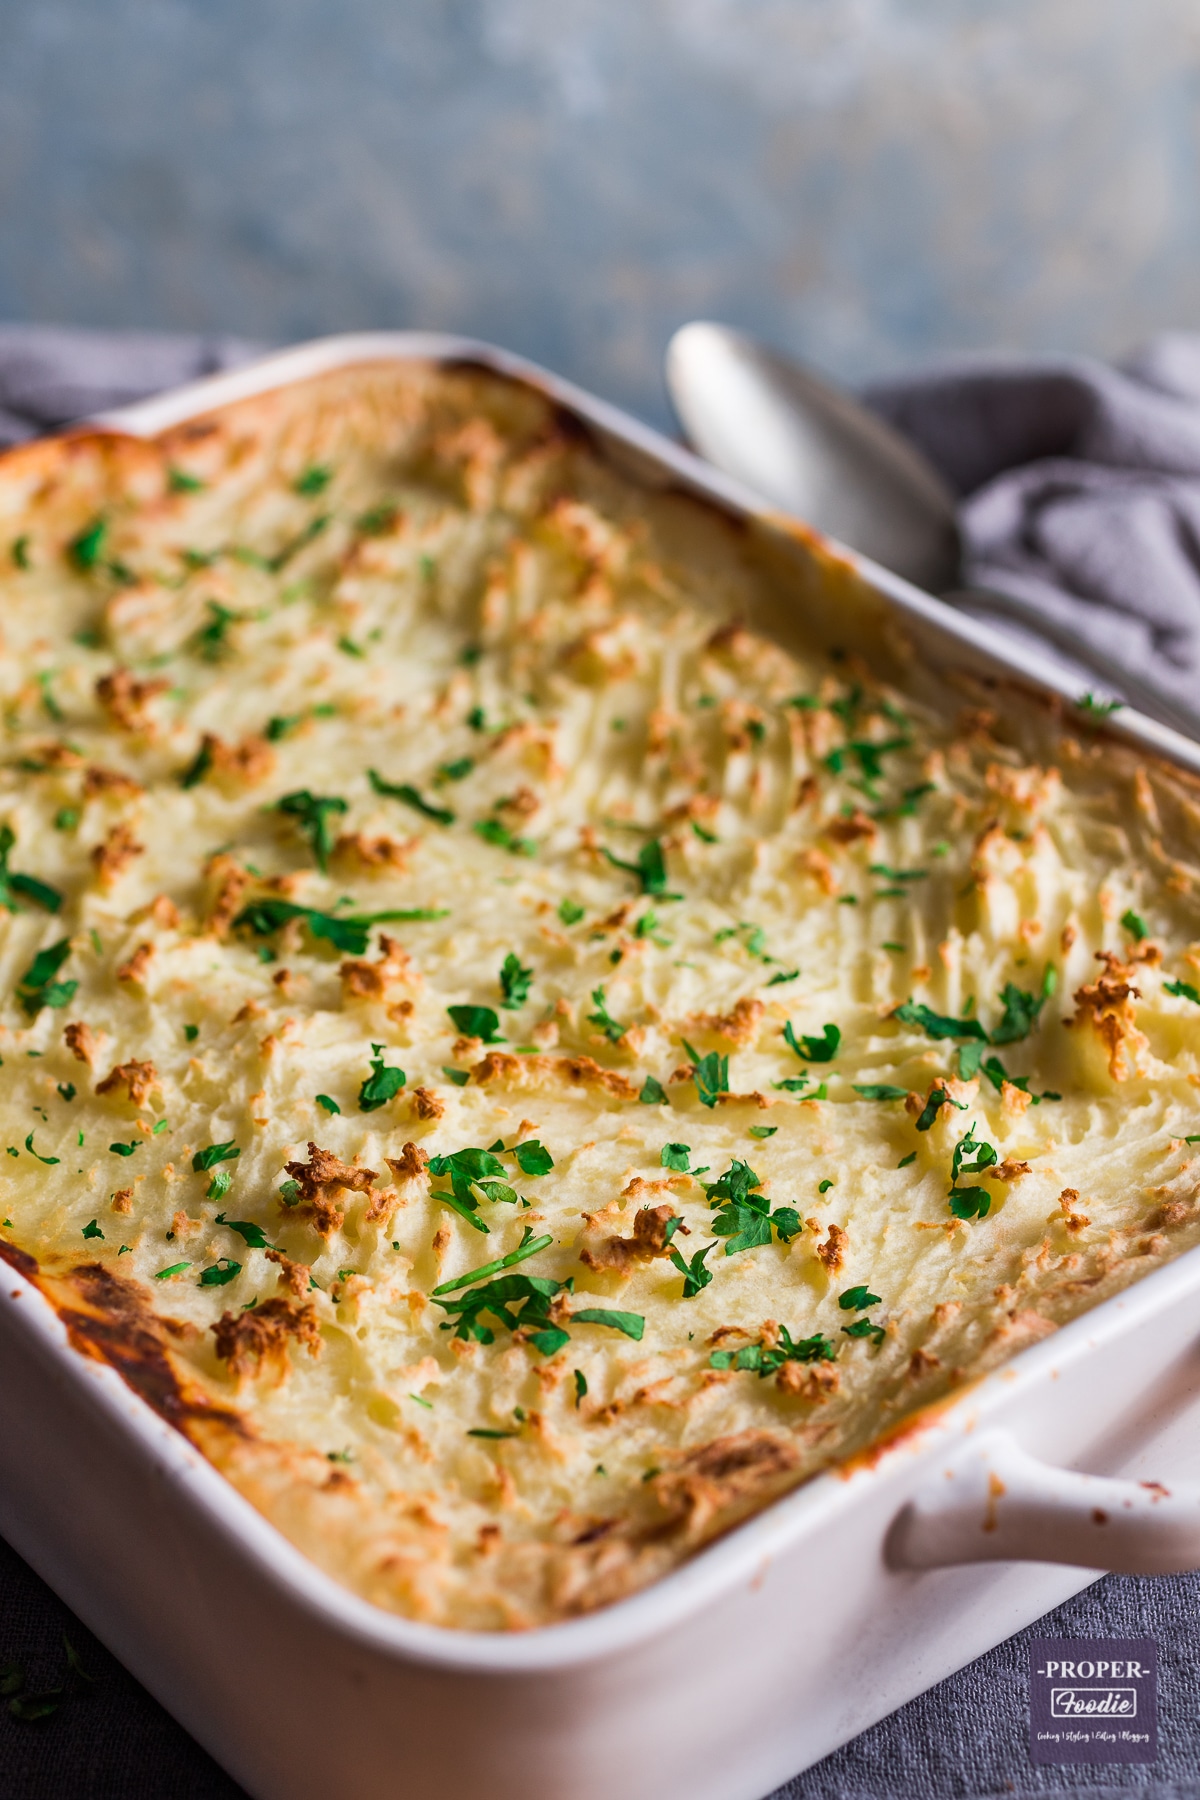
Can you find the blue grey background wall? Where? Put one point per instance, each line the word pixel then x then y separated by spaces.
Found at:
pixel 867 181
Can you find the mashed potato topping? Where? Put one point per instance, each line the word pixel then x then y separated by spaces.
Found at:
pixel 519 1066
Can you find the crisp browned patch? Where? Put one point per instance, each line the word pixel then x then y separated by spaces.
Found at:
pixel 229 882
pixel 98 780
pixel 248 1340
pixel 374 853
pixel 650 1239
pixel 815 863
pixel 734 1472
pixel 1074 1220
pixel 56 755
pixel 112 857
pixel 1106 1004
pixel 126 700
pixel 410 1164
pixel 295 1276
pixel 247 762
pixel 851 829
pixel 134 967
pixel 373 980
pixel 139 1079
pixel 499 1068
pixel 122 1200
pixel 427 1103
pixel 322 1179
pixel 739 1026
pixel 815 1383
pixel 80 1041
pixel 833 1251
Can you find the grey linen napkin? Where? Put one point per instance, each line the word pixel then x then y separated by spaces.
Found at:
pixel 1080 509
pixel 966 1738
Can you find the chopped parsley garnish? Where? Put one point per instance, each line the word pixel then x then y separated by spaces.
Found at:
pixel 631 1323
pixel 763 1131
pixel 312 813
pixel 314 480
pixel 675 1156
pixel 457 770
pixel 695 1276
pixel 581 1387
pixel 477 1022
pixel 515 982
pixel 85 547
pixel 938 1025
pixel 529 1246
pixel 199 766
pixel 1021 1009
pixel 603 1020
pixel 380 1086
pixel 20 551
pixel 653 1092
pixel 474 1175
pixel 67 1090
pixel 180 482
pixel 880 1090
pixel 211 642
pixel 220 1272
pixel 650 869
pixel 857 1299
pixel 92 1229
pixel 1098 709
pixel 175 1269
pixel 535 1295
pixel 570 912
pixel 905 1160
pixel 533 1158
pixel 868 757
pixel 350 932
pixel 191 1033
pixel 348 647
pixel 126 1149
pixel 890 874
pixel 938 1097
pixel 377 519
pixel 213 1154
pixel 67 818
pixel 1135 925
pixel 483 1431
pixel 1184 990
pixel 253 1235
pixel 823 1187
pixel 327 1102
pixel 993 1068
pixel 404 790
pixel 763 1361
pixel 744 1215
pixel 821 1049
pixel 459 1077
pixel 495 831
pixel 863 1328
pixel 970 1202
pixel 971 1157
pixel 710 1074
pixel 908 805
pixel 279 726
pixel 784 976
pixel 27 886
pixel 48 1160
pixel 38 988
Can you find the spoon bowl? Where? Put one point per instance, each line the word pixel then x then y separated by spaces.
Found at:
pixel 812 450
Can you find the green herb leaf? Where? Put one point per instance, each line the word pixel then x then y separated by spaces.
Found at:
pixel 180 482
pixel 762 1361
pixel 191 1033
pixel 403 790
pixel 970 1203
pixel 603 1020
pixel 938 1025
pixel 327 1103
pixel 199 766
pixel 650 869
pixel 632 1324
pixel 675 1156
pixel 570 912
pixel 85 547
pixel 459 1077
pixel 213 1154
pixel 1135 925
pixel 314 480
pixel 478 1022
pixel 37 987
pixel 653 1092
pixel 458 770
pixel 581 1387
pixel 971 1156
pixel 710 1074
pixel 529 1246
pixel 905 1160
pixel 312 813
pixel 857 1299
pixel 533 1158
pixel 880 1090
pixel 500 1299
pixel 220 1272
pixel 175 1269
pixel 251 1234
pixel 863 1328
pixel 821 1049
pixel 48 1160
pixel 1183 990
pixel 381 1085
pixel 515 982
pixel 1021 1012
pixel 377 519
pixel 695 1276
pixel 348 932
pixel 92 1229
pixel 784 976
pixel 125 1149
pixel 938 1097
pixel 1098 709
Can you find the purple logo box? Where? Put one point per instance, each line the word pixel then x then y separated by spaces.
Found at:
pixel 1093 1700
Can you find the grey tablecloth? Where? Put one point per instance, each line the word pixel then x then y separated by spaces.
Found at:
pixel 1099 525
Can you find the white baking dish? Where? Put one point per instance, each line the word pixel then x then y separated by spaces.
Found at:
pixel 773 1645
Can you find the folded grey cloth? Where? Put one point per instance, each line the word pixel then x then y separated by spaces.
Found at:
pixel 1080 513
pixel 51 375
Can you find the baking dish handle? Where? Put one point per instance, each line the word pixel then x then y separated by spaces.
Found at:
pixel 993 1502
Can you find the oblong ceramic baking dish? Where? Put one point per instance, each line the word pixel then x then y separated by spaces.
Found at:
pixel 773 1645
